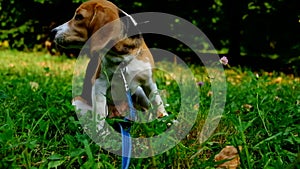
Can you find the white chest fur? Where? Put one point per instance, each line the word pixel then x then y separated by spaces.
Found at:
pixel 137 72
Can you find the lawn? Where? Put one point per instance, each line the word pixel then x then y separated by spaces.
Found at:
pixel 39 128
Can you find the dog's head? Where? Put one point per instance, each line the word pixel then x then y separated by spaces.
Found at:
pixel 88 18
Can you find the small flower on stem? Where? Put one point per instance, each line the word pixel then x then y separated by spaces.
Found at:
pixel 200 83
pixel 224 60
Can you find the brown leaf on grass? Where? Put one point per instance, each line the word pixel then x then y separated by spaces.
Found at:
pixel 229 153
pixel 247 107
pixel 209 94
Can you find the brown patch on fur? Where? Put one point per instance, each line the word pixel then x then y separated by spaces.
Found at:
pixel 127 45
pixel 118 110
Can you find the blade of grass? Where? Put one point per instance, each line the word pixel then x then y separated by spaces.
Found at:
pixel 260 114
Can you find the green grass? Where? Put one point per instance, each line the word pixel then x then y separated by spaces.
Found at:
pixel 39 128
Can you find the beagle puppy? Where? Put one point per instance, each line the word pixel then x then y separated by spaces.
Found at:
pixel 103 89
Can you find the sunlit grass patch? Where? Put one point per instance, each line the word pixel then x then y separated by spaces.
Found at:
pixel 39 127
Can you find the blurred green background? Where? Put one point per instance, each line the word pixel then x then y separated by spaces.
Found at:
pixel 260 34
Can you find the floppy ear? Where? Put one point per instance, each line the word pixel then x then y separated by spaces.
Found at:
pixel 103 27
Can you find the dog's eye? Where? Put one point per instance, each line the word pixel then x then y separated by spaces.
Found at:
pixel 78 17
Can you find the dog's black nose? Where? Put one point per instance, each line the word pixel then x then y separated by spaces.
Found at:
pixel 53 33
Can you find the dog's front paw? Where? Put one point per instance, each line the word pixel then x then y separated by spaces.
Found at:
pixel 81 105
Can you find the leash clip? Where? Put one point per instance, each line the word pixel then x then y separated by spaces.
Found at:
pixel 123 70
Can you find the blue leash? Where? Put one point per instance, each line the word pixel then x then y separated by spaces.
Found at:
pixel 126 139
pixel 126 147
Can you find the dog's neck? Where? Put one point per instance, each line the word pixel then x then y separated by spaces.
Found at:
pixel 131 37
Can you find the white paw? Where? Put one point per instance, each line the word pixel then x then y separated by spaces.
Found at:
pixel 81 106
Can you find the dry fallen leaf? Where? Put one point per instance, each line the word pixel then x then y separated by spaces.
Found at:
pixel 247 107
pixel 210 93
pixel 228 153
